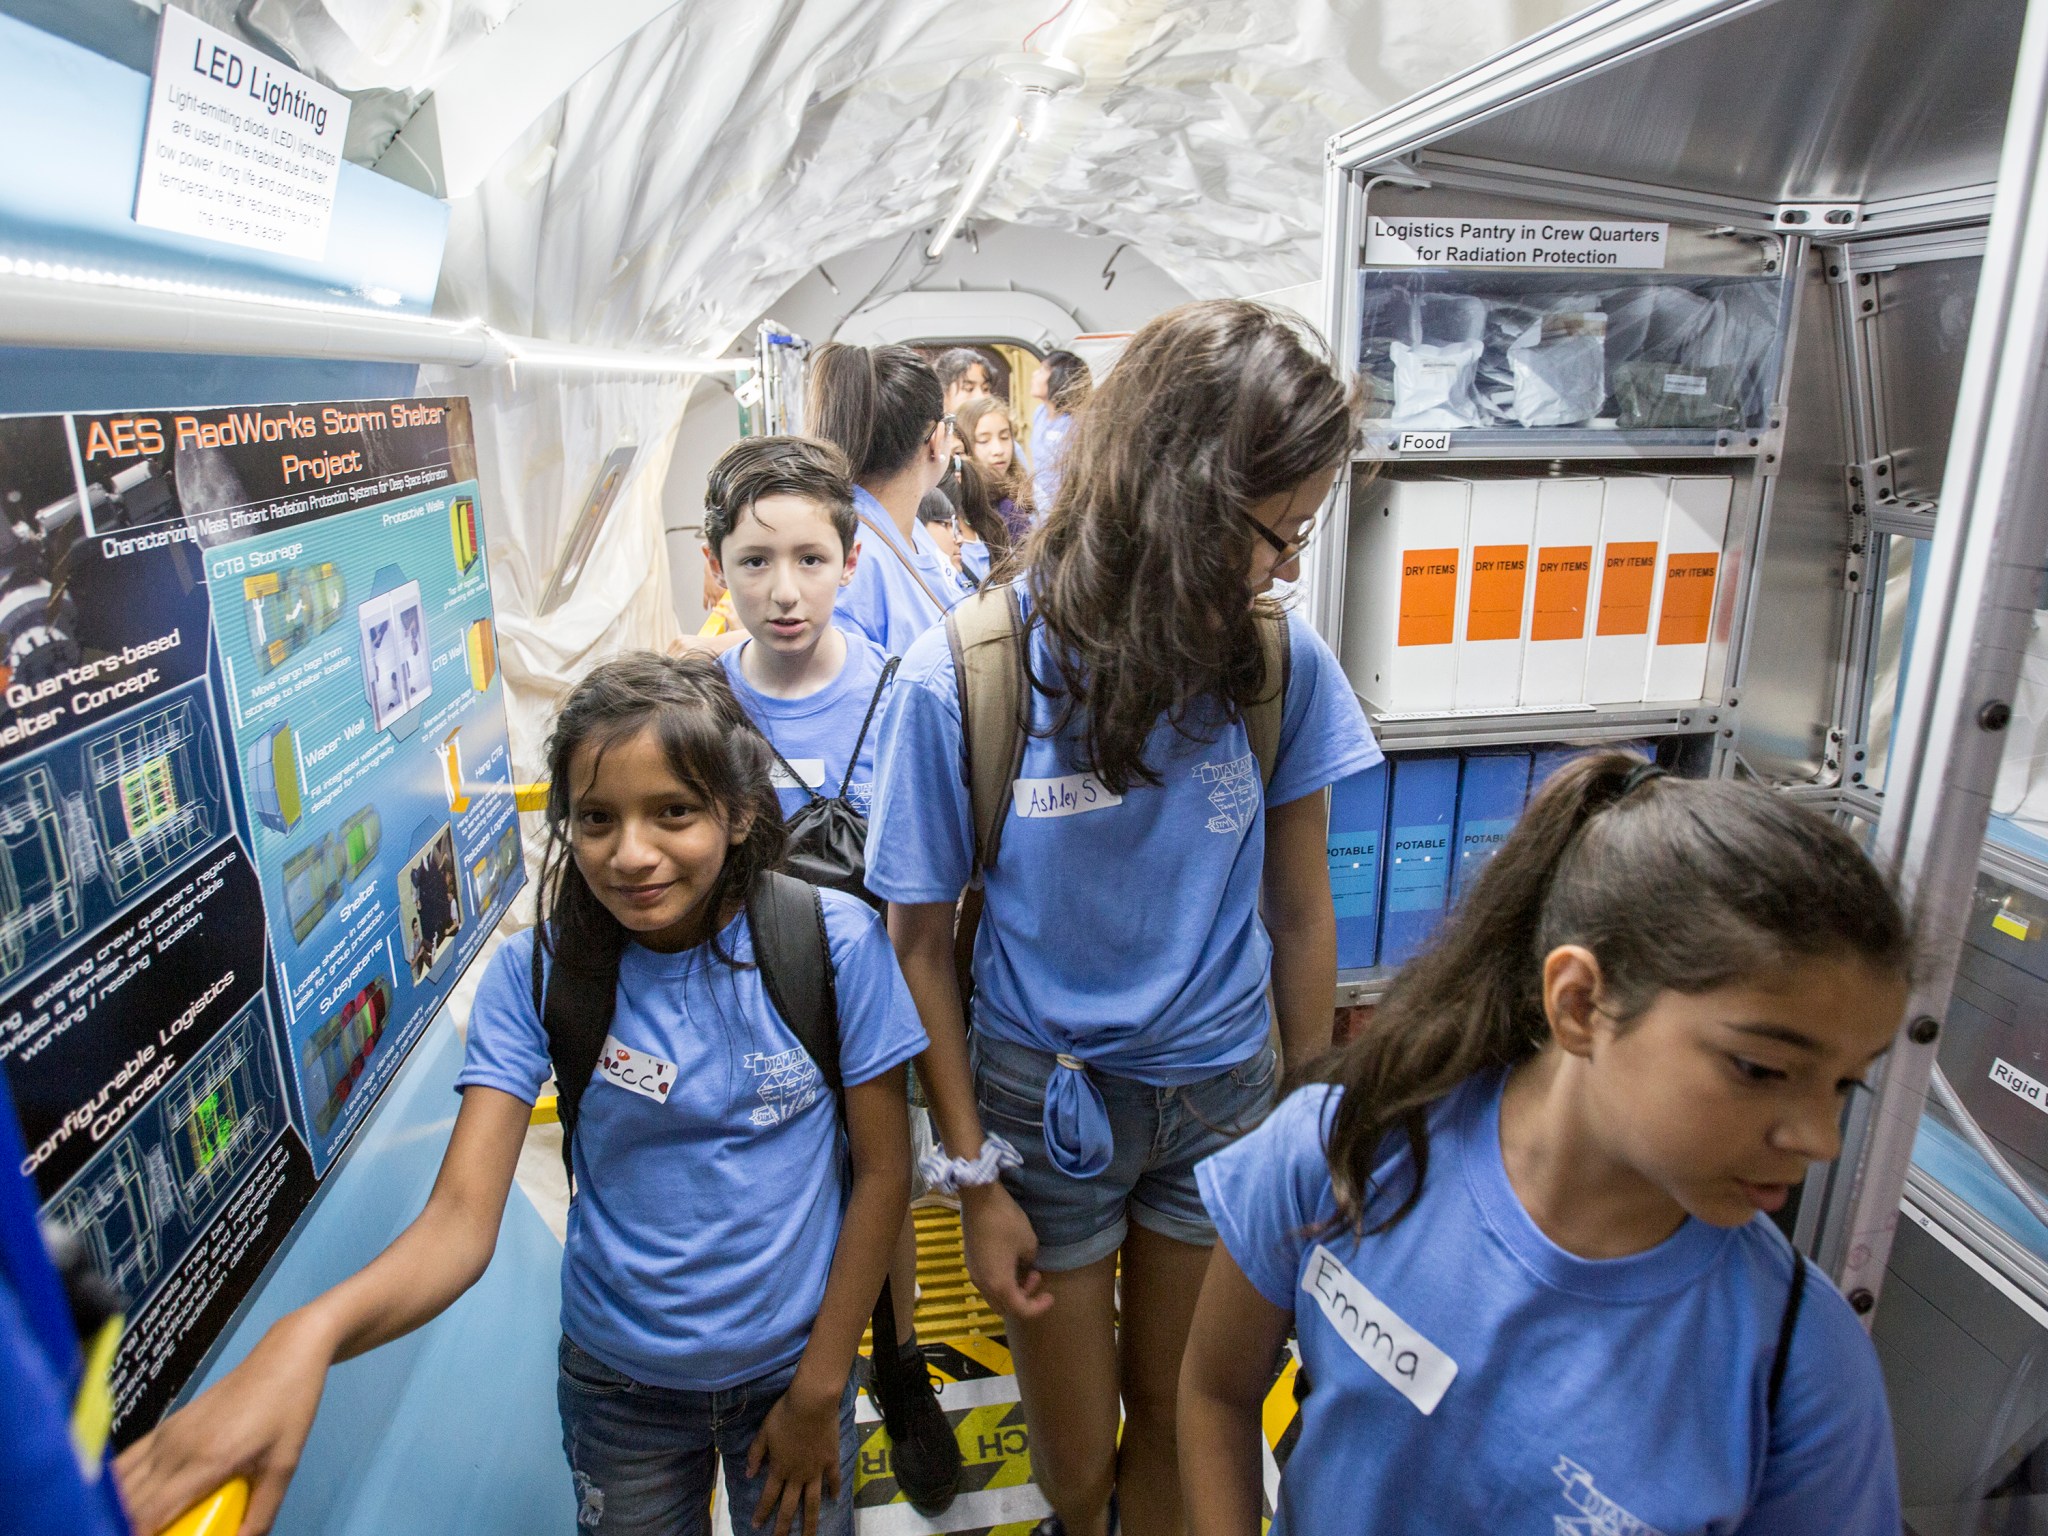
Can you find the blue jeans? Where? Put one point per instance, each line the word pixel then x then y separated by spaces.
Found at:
pixel 1160 1134
pixel 644 1457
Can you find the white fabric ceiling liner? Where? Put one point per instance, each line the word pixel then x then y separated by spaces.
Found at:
pixel 714 154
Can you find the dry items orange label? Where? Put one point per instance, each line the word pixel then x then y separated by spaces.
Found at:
pixel 1563 574
pixel 1499 574
pixel 1688 599
pixel 1429 596
pixel 1628 572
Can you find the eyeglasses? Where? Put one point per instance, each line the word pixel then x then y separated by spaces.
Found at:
pixel 1284 550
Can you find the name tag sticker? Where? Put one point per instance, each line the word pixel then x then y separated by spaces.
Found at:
pixel 1075 795
pixel 1398 1355
pixel 636 1071
pixel 810 774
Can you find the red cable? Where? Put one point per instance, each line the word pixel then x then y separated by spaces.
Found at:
pixel 1055 16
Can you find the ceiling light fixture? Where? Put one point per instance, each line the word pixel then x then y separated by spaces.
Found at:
pixel 1034 80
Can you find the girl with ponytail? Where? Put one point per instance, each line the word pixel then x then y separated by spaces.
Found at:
pixel 883 407
pixel 1521 1225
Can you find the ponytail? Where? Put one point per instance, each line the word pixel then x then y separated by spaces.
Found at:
pixel 1679 885
pixel 877 404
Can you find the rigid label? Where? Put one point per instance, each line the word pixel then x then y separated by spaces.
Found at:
pixel 1076 794
pixel 2014 1081
pixel 1425 442
pixel 636 1071
pixel 1398 1355
pixel 1481 241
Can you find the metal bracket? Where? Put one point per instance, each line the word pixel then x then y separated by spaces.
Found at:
pixel 1767 442
pixel 1818 218
pixel 1830 774
pixel 1872 483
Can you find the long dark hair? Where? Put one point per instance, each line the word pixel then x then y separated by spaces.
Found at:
pixel 1016 484
pixel 1748 878
pixel 967 488
pixel 1141 569
pixel 711 746
pixel 878 405
pixel 1068 382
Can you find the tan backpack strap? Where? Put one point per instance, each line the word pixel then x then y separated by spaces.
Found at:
pixel 1262 717
pixel 903 560
pixel 986 635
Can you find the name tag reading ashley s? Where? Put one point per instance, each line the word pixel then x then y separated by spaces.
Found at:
pixel 1398 1355
pixel 1075 795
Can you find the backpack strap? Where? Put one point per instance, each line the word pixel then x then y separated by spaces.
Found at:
pixel 1786 1324
pixel 794 777
pixel 1263 715
pixel 874 703
pixel 575 1006
pixel 903 560
pixel 787 918
pixel 986 634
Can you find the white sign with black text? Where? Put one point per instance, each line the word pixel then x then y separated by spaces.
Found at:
pixel 1570 245
pixel 239 148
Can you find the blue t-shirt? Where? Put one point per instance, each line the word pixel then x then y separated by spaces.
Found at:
pixel 710 1169
pixel 1125 934
pixel 1049 435
pixel 884 601
pixel 814 734
pixel 974 563
pixel 1467 1374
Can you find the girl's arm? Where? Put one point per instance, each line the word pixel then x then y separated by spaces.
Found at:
pixel 799 1440
pixel 1224 1378
pixel 254 1422
pixel 1303 925
pixel 1002 1250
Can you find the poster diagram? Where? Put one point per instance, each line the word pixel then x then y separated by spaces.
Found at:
pixel 255 818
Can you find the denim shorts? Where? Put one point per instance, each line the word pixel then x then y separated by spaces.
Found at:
pixel 1160 1134
pixel 643 1458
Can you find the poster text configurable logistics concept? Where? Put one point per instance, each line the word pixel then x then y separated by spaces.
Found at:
pixel 255 818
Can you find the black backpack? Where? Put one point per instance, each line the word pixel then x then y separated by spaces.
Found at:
pixel 576 999
pixel 828 837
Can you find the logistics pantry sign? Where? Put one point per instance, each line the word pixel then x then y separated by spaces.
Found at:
pixel 239 148
pixel 255 817
pixel 1561 244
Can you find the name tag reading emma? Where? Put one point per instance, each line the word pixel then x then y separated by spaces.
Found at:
pixel 1398 1355
pixel 1075 795
pixel 810 773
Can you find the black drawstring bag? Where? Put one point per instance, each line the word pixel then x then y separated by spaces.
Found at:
pixel 828 837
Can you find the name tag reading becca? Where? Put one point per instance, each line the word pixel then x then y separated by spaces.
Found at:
pixel 809 772
pixel 1398 1355
pixel 1074 795
pixel 636 1071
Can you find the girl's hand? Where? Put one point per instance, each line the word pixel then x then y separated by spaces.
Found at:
pixel 253 1423
pixel 1002 1252
pixel 799 1445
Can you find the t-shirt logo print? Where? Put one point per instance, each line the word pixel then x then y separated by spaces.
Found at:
pixel 1233 791
pixel 787 1083
pixel 1598 1515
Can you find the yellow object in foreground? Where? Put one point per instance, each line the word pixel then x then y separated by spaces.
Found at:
pixel 546 1110
pixel 218 1515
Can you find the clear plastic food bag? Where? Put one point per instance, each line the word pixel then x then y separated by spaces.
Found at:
pixel 1433 386
pixel 1559 369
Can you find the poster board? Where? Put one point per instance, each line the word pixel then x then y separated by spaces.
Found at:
pixel 255 818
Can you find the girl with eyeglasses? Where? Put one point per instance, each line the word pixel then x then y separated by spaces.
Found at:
pixel 1159 912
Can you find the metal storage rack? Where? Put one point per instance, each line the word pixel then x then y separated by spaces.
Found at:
pixel 1885 562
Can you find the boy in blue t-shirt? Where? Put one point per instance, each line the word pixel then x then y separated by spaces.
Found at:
pixel 778 517
pixel 780 522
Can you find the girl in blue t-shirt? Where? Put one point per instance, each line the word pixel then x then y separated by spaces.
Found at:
pixel 885 410
pixel 1157 905
pixel 725 1243
pixel 1521 1230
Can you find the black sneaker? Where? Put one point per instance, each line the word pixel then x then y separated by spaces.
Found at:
pixel 924 1453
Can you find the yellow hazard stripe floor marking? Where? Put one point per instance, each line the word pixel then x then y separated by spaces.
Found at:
pixel 1280 1406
